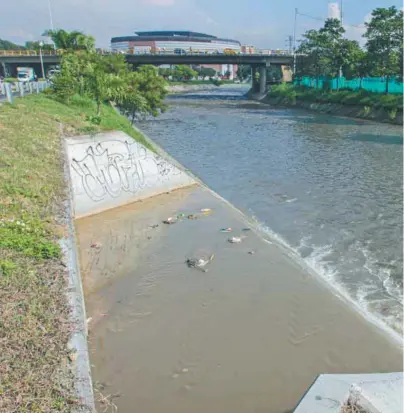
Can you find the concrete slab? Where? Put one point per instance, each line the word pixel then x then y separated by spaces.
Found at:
pixel 112 169
pixel 376 393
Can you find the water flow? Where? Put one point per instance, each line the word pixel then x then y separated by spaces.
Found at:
pixel 328 187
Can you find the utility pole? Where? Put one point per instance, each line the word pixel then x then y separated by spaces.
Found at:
pixel 294 44
pixel 289 44
pixel 340 17
pixel 51 21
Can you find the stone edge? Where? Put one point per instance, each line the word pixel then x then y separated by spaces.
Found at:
pixel 78 340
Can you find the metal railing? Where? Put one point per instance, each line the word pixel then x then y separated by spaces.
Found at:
pixel 59 52
pixel 11 90
pixel 31 52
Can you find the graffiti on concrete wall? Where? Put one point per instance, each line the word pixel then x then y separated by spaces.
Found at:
pixel 113 167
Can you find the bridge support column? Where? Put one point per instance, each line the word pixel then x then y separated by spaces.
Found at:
pixel 255 78
pixel 262 79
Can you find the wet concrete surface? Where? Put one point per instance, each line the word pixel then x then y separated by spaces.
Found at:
pixel 248 336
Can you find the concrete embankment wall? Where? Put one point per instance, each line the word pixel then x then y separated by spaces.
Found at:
pixel 111 169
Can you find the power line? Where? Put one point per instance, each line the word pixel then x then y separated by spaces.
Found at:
pixel 360 26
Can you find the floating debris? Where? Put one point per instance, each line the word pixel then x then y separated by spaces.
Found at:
pixel 199 263
pixel 96 245
pixel 206 210
pixel 185 370
pixel 225 230
pixel 191 216
pixel 181 215
pixel 170 220
pixel 235 240
pixel 251 252
pixel 154 226
pixel 246 229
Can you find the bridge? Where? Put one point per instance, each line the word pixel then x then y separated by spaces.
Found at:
pixel 9 60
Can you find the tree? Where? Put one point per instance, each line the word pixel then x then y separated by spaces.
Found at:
pixel 243 72
pixel 74 40
pixel 145 93
pixel 36 46
pixel 183 72
pixel 165 72
pixel 207 72
pixel 384 42
pixel 6 45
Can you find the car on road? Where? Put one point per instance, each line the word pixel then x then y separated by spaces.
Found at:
pixel 26 74
pixel 180 51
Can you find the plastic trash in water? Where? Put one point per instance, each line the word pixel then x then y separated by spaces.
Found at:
pixel 235 240
pixel 169 221
pixel 246 229
pixel 199 262
pixel 225 230
pixel 180 215
pixel 206 210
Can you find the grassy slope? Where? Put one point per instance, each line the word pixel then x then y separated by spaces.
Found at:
pixel 34 323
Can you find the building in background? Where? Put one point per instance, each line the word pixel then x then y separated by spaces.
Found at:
pixel 173 42
pixel 179 42
pixel 248 49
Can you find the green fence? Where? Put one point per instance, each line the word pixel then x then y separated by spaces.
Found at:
pixel 372 84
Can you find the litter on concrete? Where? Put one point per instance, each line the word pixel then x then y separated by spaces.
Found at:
pixel 96 245
pixel 199 263
pixel 170 220
pixel 235 240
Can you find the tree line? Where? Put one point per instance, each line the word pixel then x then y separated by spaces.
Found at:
pixel 326 53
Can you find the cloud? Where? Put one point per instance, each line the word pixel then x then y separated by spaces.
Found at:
pixel 163 3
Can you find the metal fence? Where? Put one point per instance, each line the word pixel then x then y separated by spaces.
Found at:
pixel 371 84
pixel 10 90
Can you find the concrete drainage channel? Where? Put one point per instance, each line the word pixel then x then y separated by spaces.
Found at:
pixel 103 172
pixel 110 170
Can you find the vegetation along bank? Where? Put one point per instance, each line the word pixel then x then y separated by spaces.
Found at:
pixel 362 104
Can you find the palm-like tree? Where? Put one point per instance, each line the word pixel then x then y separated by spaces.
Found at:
pixel 74 40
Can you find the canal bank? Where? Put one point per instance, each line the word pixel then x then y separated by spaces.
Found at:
pixel 361 105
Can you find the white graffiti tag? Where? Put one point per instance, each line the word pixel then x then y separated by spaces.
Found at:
pixel 111 167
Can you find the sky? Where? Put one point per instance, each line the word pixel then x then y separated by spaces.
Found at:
pixel 262 23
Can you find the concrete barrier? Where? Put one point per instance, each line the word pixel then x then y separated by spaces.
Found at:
pixel 111 169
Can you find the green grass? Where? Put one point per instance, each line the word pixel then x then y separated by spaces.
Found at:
pixel 289 94
pixel 35 324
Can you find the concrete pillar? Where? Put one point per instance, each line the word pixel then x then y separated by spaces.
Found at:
pixel 263 79
pixel 254 78
pixel 21 87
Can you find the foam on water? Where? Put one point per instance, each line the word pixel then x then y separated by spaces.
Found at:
pixel 318 265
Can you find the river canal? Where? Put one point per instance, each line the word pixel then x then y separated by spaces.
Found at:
pixel 329 188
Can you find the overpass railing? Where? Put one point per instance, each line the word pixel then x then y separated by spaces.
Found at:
pixel 31 52
pixel 59 52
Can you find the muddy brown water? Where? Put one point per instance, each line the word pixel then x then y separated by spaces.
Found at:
pixel 248 336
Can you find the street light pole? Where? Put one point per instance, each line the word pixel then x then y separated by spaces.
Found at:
pixel 40 57
pixel 51 21
pixel 294 44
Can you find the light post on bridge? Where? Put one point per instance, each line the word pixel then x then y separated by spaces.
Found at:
pixel 41 58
